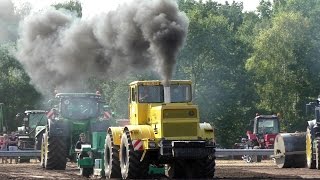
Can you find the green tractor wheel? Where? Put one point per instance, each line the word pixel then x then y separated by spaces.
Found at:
pixel 311 162
pixel 55 152
pixel 131 166
pixel 111 158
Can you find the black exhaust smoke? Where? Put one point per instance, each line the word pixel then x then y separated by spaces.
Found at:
pixel 59 50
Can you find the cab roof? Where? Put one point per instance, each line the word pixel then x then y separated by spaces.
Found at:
pixel 159 82
pixel 267 116
pixel 34 111
pixel 78 95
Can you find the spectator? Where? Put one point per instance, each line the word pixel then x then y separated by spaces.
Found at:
pixel 4 146
pixel 13 145
pixel 82 140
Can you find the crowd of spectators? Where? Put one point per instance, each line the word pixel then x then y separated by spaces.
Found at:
pixel 9 143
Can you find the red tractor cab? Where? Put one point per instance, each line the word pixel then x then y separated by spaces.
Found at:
pixel 265 130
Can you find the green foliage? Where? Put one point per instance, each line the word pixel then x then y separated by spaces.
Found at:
pixel 214 59
pixel 15 91
pixel 73 6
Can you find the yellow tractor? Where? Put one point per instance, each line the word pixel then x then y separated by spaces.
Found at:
pixel 164 131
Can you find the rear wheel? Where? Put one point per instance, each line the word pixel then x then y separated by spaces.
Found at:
pixel 190 169
pixel 311 162
pixel 131 166
pixel 111 159
pixel 177 170
pixel 206 168
pixel 55 156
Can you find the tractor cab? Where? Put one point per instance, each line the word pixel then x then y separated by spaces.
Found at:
pixel 265 129
pixel 79 107
pixel 31 120
pixel 266 124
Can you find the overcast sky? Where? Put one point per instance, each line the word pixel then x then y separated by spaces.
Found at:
pixel 92 7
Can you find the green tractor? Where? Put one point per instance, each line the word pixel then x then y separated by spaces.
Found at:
pixel 2 121
pixel 33 122
pixel 71 115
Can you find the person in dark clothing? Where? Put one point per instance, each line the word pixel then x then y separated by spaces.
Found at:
pixel 13 145
pixel 82 140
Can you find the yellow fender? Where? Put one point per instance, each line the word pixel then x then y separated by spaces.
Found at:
pixel 140 132
pixel 141 136
pixel 206 131
pixel 116 133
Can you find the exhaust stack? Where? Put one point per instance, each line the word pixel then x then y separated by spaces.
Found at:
pixel 167 96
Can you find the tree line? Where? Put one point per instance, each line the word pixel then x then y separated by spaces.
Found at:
pixel 240 63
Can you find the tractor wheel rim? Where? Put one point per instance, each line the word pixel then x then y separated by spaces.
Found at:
pixel 308 148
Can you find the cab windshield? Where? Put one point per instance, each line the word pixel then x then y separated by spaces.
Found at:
pixel 79 108
pixel 39 119
pixel 155 94
pixel 268 126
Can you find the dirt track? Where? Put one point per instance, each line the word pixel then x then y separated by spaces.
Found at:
pixel 225 169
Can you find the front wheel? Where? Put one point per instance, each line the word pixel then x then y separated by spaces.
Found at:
pixel 111 158
pixel 55 153
pixel 131 166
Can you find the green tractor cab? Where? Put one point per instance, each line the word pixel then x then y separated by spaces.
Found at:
pixel 71 115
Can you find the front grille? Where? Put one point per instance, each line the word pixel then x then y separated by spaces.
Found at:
pixel 180 113
pixel 179 129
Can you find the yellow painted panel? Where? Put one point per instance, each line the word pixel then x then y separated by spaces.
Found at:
pixel 116 134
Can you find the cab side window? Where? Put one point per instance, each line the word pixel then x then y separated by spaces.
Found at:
pixel 133 94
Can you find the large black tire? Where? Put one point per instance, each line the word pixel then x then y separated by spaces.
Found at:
pixel 55 152
pixel 131 166
pixel 311 161
pixel 111 158
pixel 193 169
pixel 206 168
pixel 178 170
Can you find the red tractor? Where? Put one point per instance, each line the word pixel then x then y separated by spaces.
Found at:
pixel 265 130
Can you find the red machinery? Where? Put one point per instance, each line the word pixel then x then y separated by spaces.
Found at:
pixel 265 130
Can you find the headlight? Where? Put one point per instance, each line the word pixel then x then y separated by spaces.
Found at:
pixel 262 140
pixel 271 139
